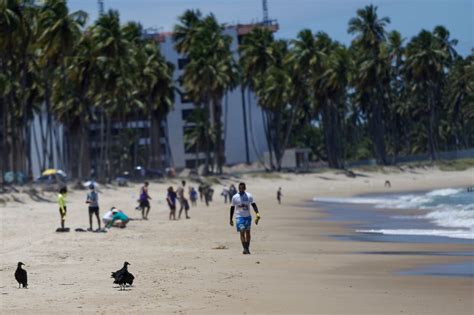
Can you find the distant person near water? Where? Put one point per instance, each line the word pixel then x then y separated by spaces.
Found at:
pixel 243 217
pixel 93 200
pixel 182 200
pixel 279 195
pixel 62 205
pixel 144 201
pixel 171 200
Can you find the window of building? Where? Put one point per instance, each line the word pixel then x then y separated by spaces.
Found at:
pixel 185 98
pixel 185 113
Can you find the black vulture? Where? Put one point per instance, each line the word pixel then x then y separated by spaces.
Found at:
pixel 21 276
pixel 122 276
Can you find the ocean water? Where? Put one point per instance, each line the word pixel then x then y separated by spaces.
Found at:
pixel 447 213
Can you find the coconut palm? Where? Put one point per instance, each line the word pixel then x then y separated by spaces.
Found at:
pixel 58 33
pixel 425 66
pixel 372 78
pixel 210 73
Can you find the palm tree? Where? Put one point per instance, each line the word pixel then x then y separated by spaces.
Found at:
pixel 425 71
pixel 255 58
pixel 59 32
pixel 210 73
pixel 372 77
pixel 114 86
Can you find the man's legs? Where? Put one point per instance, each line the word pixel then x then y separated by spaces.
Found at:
pixel 147 211
pixel 90 220
pixel 181 207
pixel 98 219
pixel 245 239
pixel 242 239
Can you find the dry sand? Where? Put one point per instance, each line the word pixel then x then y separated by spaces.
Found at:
pixel 294 266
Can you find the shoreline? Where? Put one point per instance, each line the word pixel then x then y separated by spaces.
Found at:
pixel 294 266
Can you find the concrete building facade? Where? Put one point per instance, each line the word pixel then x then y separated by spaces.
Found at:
pixel 242 118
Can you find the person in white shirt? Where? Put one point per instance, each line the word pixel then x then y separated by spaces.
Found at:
pixel 242 201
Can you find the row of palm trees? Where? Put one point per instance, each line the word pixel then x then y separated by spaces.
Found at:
pixel 90 80
pixel 378 97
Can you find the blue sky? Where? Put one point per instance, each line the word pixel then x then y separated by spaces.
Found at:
pixel 331 16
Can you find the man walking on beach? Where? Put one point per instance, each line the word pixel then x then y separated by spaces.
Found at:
pixel 242 201
pixel 182 201
pixel 93 201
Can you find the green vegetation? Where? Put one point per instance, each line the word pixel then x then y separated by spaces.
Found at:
pixel 382 95
pixel 455 165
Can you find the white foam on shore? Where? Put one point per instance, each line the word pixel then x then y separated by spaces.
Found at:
pixel 466 234
pixel 446 208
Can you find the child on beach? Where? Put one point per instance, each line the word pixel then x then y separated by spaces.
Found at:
pixel 183 202
pixel 144 201
pixel 62 205
pixel 93 200
pixel 193 196
pixel 171 199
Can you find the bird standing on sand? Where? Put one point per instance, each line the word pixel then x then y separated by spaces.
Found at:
pixel 21 276
pixel 122 276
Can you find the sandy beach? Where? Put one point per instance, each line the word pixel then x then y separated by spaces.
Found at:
pixel 295 267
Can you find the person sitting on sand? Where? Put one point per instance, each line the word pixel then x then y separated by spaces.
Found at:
pixel 119 218
pixel 93 200
pixel 388 184
pixel 171 200
pixel 62 205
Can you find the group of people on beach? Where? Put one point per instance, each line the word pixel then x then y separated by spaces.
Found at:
pixel 240 207
pixel 113 217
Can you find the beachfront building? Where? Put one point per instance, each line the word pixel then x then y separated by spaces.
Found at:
pixel 243 131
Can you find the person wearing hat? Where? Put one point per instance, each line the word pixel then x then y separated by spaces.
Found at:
pixel 93 201
pixel 119 217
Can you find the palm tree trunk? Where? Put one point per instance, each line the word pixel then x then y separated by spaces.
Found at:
pixel 257 153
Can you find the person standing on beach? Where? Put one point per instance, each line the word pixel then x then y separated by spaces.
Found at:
pixel 193 196
pixel 182 200
pixel 201 191
pixel 279 194
pixel 93 201
pixel 225 194
pixel 144 201
pixel 62 205
pixel 242 201
pixel 171 200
